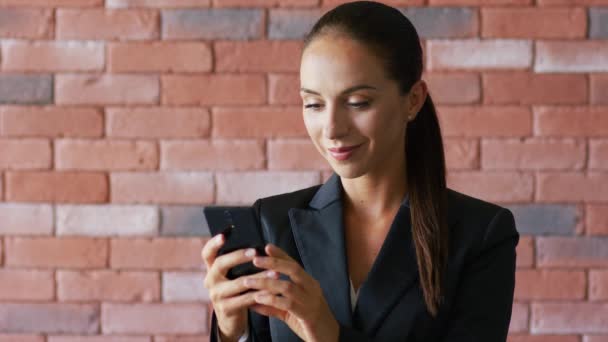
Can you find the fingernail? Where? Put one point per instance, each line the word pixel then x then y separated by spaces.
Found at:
pixel 219 238
pixel 250 252
pixel 270 274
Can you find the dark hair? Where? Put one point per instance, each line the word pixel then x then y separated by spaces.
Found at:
pixel 393 38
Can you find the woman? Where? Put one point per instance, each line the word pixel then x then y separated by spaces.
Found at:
pixel 382 251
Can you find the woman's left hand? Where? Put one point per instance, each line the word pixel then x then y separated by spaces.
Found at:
pixel 299 303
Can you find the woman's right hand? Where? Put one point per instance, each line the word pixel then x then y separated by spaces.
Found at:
pixel 228 301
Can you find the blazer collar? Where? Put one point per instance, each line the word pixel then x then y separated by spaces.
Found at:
pixel 319 236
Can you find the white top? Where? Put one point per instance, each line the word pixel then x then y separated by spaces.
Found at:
pixel 353 301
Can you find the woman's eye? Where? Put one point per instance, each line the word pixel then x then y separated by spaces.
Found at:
pixel 359 104
pixel 312 105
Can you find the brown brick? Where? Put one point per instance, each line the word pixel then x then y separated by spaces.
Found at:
pixel 32 23
pixel 543 338
pixel 34 121
pixel 461 153
pixel 495 186
pixel 480 2
pixel 212 155
pixel 50 318
pixel 52 56
pixel 599 89
pixel 67 252
pixel 539 23
pixel 105 155
pixel 258 56
pixel 569 318
pixel 482 121
pixel 40 186
pixel 598 284
pixel 550 284
pixel 597 219
pixel 454 88
pixel 159 56
pixel 157 122
pixel 51 3
pixel 295 154
pixel 154 254
pixel 572 186
pixel 25 154
pixel 21 338
pixel 598 154
pixel 26 285
pixel 571 121
pixel 157 3
pixel 154 318
pixel 170 187
pixel 105 285
pixel 525 252
pixel 516 154
pixel 260 122
pixel 111 24
pixel 284 89
pixel 265 3
pixel 520 316
pixel 106 89
pixel 237 89
pixel 528 88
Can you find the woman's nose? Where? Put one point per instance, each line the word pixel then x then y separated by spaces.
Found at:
pixel 336 123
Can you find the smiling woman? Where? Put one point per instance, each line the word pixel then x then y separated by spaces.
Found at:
pixel 384 250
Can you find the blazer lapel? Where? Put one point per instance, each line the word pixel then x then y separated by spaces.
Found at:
pixel 319 237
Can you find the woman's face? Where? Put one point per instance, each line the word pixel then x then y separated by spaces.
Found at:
pixel 349 101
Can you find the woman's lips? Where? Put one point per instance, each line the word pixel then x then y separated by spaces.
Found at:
pixel 342 153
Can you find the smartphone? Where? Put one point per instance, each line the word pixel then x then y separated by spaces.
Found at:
pixel 241 229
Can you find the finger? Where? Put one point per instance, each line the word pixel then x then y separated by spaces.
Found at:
pixel 233 287
pixel 209 251
pixel 268 310
pixel 277 286
pixel 281 303
pixel 225 262
pixel 234 304
pixel 276 251
pixel 290 268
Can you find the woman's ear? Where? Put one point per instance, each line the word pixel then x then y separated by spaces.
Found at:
pixel 416 97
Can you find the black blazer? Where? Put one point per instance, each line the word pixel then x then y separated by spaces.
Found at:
pixel 480 278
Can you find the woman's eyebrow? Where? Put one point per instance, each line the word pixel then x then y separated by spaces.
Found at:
pixel 345 91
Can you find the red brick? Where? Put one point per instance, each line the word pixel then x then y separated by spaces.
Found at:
pixel 154 318
pixel 27 23
pixel 478 54
pixel 519 318
pixel 479 121
pixel 56 186
pixel 539 23
pixel 105 285
pixel 598 284
pixel 184 287
pixel 105 155
pixel 284 89
pixel 461 153
pixel 528 88
pixel 24 121
pixel 212 155
pixel 21 338
pixel 25 154
pixel 295 154
pixel 566 318
pixel 454 88
pixel 328 3
pixel 173 187
pixel 494 186
pixel 275 55
pixel 99 338
pixel 66 252
pixel 575 56
pixel 549 284
pixel 599 89
pixel 598 154
pixel 123 24
pixel 571 252
pixel 246 187
pixel 525 252
pixel 265 3
pixel 480 2
pixel 571 121
pixel 157 122
pixel 571 3
pixel 572 186
pixel 258 122
pixel 43 56
pixel 107 220
pixel 106 89
pixel 237 89
pixel 159 56
pixel 157 3
pixel 154 254
pixel 51 3
pixel 595 338
pixel 543 338
pixel 597 219
pixel 49 318
pixel 26 219
pixel 26 285
pixel 516 154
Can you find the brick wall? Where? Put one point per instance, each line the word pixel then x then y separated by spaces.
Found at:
pixel 120 120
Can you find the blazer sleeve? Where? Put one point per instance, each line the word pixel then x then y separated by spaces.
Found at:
pixel 484 298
